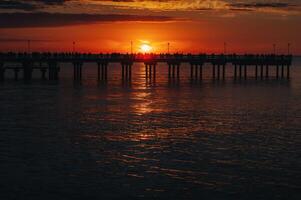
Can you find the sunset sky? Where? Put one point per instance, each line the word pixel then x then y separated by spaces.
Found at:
pixel 251 26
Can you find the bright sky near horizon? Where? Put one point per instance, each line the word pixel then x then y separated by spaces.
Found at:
pixel 188 25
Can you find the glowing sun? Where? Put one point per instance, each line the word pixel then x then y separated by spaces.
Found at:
pixel 145 48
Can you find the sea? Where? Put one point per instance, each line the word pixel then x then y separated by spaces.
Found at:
pixel 158 138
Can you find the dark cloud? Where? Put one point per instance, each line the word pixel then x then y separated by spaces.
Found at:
pixel 260 5
pixel 17 5
pixel 29 5
pixel 5 39
pixel 18 20
pixel 51 2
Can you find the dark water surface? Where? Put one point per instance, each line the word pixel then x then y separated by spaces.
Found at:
pixel 157 140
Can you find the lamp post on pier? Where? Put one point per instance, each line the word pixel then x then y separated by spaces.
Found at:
pixel 168 47
pixel 73 47
pixel 28 46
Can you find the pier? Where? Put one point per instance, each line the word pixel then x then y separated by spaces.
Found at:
pixel 49 63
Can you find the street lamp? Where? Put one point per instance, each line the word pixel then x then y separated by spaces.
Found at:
pixel 73 47
pixel 168 46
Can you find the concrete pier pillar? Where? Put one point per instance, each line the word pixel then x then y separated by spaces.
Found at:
pixel 277 71
pixel 213 71
pixel 105 66
pixel 282 71
pixel 261 71
pixel 127 71
pixel 2 71
pixel 245 71
pixel 267 71
pixel 169 70
pixel 235 71
pixel 191 71
pixel 240 72
pixel 81 71
pixel 27 71
pixel 288 72
pixel 150 70
pixel 77 72
pixel 56 76
pixel 102 72
pixel 201 71
pixel 173 70
pixel 74 71
pixel 224 71
pixel 218 71
pixel 98 71
pixel 77 69
pixel 178 70
pixel 16 73
pixel 43 74
pixel 256 71
pixel 146 70
pixel 196 72
pixel 130 71
pixel 53 71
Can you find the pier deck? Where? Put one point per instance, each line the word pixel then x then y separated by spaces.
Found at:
pixel 240 63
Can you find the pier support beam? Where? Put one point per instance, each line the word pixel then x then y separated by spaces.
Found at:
pixel 288 72
pixel 27 71
pixel 99 74
pixel 267 71
pixel 43 73
pixel 218 72
pixel 201 71
pixel 151 70
pixel 213 71
pixel 256 72
pixel 196 71
pixel 53 71
pixel 77 70
pixel 16 73
pixel 102 71
pixel 235 72
pixel 105 71
pixel 2 71
pixel 174 70
pixel 245 72
pixel 261 71
pixel 126 71
pixel 191 70
pixel 224 71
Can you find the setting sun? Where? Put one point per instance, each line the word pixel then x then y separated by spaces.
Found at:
pixel 145 48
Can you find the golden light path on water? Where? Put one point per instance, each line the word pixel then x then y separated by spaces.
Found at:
pixel 153 138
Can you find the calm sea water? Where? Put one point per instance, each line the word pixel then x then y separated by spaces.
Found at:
pixel 150 139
